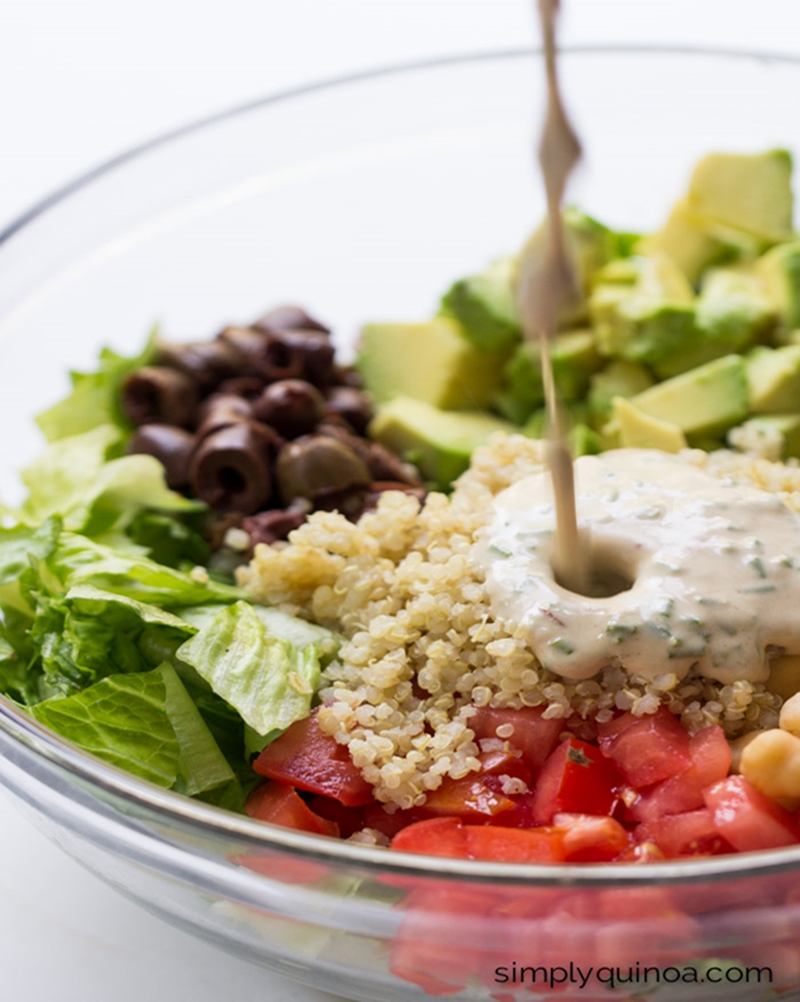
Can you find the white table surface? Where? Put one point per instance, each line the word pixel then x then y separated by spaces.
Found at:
pixel 81 81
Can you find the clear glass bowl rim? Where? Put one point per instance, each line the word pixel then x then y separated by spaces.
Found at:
pixel 55 751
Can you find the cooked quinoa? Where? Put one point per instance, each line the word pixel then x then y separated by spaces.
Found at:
pixel 422 647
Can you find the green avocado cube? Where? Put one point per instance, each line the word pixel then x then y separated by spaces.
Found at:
pixel 702 402
pixel 619 379
pixel 574 358
pixel 439 442
pixel 773 379
pixel 683 239
pixel 779 270
pixel 748 193
pixel 589 245
pixel 433 361
pixel 639 430
pixel 485 307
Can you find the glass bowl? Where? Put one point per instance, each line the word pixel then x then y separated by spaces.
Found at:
pixel 362 199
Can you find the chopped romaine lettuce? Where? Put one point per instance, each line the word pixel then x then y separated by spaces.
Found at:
pixel 122 719
pixel 94 399
pixel 80 479
pixel 78 560
pixel 268 680
pixel 201 764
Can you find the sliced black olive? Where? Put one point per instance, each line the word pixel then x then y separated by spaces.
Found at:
pixel 157 394
pixel 230 469
pixel 354 405
pixel 208 362
pixel 171 446
pixel 221 410
pixel 289 318
pixel 271 526
pixel 292 406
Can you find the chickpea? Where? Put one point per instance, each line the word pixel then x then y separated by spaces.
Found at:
pixel 790 715
pixel 771 762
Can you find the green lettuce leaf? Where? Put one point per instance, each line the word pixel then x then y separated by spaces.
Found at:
pixel 122 719
pixel 169 539
pixel 268 680
pixel 81 561
pixel 201 764
pixel 78 479
pixel 94 399
pixel 20 668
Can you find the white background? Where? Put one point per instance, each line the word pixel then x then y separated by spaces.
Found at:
pixel 82 80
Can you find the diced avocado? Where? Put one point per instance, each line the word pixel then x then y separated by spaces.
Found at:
pixel 683 239
pixel 583 440
pixel 589 246
pixel 658 335
pixel 432 361
pixel 484 305
pixel 779 270
pixel 773 379
pixel 704 401
pixel 773 436
pixel 731 313
pixel 662 325
pixel 439 442
pixel 641 309
pixel 639 430
pixel 751 193
pixel 574 357
pixel 618 379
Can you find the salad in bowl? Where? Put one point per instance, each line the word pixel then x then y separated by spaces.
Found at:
pixel 316 592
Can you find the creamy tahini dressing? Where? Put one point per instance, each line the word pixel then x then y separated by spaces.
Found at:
pixel 713 569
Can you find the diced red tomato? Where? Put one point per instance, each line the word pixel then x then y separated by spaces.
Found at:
pixel 646 749
pixel 279 804
pixel 592 839
pixel 468 798
pixel 576 779
pixel 377 817
pixel 711 761
pixel 497 764
pixel 348 819
pixel 515 845
pixel 305 757
pixel 693 833
pixel 533 735
pixel 450 837
pixel 747 818
pixel 434 836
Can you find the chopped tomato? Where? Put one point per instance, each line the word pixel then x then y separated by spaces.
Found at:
pixel 468 798
pixel 747 818
pixel 348 819
pixel 533 734
pixel 646 749
pixel 592 839
pixel 711 761
pixel 279 804
pixel 576 779
pixel 305 757
pixel 376 816
pixel 434 836
pixel 693 833
pixel 515 845
pixel 450 837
